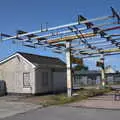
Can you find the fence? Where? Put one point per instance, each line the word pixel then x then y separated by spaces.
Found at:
pixel 93 79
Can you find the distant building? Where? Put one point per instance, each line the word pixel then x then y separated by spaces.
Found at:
pixel 83 78
pixel 93 77
pixel 109 69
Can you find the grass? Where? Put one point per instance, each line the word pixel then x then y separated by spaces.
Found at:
pixel 80 95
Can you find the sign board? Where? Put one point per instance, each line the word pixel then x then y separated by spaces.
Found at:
pixel 100 63
pixel 77 60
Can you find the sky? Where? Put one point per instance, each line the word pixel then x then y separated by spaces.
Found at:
pixel 28 15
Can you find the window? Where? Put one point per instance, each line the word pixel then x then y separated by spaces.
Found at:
pixel 44 78
pixel 26 79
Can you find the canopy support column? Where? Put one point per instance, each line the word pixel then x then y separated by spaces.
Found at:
pixel 69 68
pixel 102 71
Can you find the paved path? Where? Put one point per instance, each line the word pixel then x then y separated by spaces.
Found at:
pixel 10 106
pixel 104 102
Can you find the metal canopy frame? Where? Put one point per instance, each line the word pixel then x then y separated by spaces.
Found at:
pixel 91 35
pixel 83 39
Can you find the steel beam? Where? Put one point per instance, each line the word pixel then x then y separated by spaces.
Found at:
pixel 61 26
pixel 105 51
pixel 72 37
pixel 69 31
pixel 98 55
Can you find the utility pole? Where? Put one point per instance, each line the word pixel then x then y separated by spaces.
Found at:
pixel 69 68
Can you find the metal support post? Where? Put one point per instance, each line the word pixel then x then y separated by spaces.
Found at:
pixel 69 73
pixel 103 77
pixel 102 71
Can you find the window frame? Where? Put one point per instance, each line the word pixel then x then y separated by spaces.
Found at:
pixel 26 83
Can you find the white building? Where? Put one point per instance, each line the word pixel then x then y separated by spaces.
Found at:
pixel 109 69
pixel 33 74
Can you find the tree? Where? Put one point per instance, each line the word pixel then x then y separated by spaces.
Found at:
pixel 80 67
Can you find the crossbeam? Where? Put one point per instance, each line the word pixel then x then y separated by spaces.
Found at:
pixel 72 37
pixel 59 27
pixel 104 51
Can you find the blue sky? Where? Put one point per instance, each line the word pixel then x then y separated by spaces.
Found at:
pixel 28 15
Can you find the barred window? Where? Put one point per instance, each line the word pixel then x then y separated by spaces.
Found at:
pixel 26 79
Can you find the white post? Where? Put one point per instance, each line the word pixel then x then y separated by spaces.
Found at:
pixel 102 71
pixel 69 73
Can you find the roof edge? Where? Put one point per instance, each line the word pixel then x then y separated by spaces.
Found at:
pixel 14 55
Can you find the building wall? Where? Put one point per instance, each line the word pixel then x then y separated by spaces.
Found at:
pixel 12 73
pixel 59 81
pixel 56 80
pixel 43 86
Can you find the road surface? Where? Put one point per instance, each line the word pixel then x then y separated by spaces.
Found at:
pixel 67 113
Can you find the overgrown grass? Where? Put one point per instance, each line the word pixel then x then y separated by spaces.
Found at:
pixel 80 95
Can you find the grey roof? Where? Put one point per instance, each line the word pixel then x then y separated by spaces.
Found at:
pixel 39 60
pixel 86 72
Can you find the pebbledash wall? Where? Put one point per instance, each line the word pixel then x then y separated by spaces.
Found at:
pixel 21 76
pixel 11 72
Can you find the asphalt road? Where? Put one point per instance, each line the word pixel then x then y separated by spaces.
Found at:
pixel 11 108
pixel 67 113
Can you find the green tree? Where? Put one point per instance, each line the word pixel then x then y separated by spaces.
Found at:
pixel 80 67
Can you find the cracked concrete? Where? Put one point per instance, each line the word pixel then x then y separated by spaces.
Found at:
pixel 11 105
